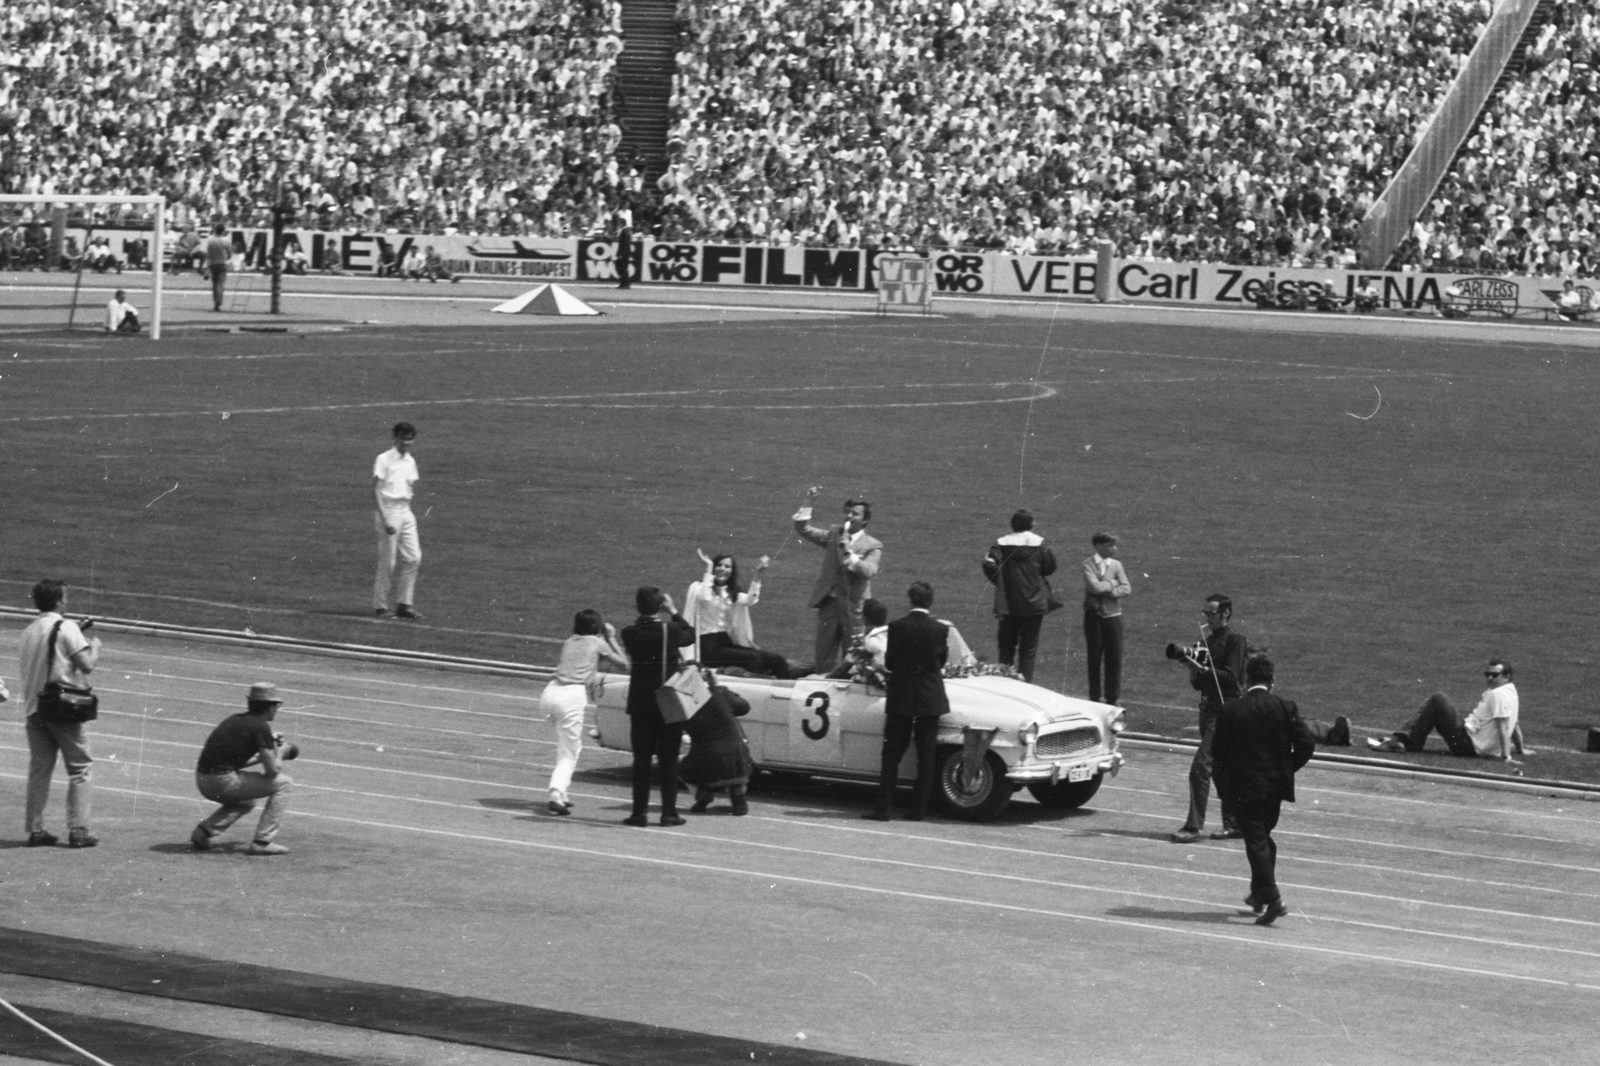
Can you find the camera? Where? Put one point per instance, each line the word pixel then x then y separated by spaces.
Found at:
pixel 286 749
pixel 1196 655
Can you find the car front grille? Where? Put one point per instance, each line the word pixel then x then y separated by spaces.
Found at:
pixel 1067 742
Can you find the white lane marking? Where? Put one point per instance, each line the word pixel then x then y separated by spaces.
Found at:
pixel 925 897
pixel 1369 842
pixel 1028 852
pixel 320 696
pixel 550 400
pixel 321 675
pixel 1309 860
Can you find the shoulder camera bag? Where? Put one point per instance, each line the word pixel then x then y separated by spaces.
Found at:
pixel 682 694
pixel 61 702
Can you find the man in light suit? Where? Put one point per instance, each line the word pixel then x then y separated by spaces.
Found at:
pixel 1258 744
pixel 850 559
pixel 918 648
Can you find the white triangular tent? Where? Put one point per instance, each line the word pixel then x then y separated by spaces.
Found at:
pixel 545 300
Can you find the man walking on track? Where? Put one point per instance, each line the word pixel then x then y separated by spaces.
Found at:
pixel 219 252
pixel 399 551
pixel 1258 745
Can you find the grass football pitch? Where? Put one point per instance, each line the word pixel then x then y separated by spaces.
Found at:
pixel 1386 514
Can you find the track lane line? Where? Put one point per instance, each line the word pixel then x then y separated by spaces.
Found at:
pixel 929 897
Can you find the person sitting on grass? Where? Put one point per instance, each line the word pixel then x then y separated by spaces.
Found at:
pixel 433 267
pixel 1491 731
pixel 294 259
pixel 121 317
pixel 411 266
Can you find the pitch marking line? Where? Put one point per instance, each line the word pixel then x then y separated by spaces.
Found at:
pixel 572 400
pixel 926 897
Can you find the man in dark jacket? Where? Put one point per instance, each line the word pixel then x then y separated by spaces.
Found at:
pixel 1217 682
pixel 1258 744
pixel 915 700
pixel 652 645
pixel 1017 566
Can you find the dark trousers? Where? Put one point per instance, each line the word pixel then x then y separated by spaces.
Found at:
pixel 1104 638
pixel 652 737
pixel 1438 713
pixel 1200 777
pixel 219 281
pixel 899 732
pixel 1019 641
pixel 1257 820
pixel 718 650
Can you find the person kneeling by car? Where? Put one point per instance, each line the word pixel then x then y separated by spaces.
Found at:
pixel 719 754
pixel 239 741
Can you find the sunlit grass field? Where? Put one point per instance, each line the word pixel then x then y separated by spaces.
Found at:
pixel 1385 514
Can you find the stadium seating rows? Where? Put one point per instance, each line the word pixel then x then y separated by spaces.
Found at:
pixel 1191 129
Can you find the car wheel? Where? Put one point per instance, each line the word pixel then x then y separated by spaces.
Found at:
pixel 979 800
pixel 1066 795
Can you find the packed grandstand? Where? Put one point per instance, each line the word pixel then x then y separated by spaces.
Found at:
pixel 1223 131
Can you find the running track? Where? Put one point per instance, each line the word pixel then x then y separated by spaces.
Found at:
pixel 1431 922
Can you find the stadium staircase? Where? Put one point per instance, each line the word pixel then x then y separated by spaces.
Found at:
pixel 644 81
pixel 1498 58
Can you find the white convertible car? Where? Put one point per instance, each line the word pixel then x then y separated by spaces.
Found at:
pixel 1000 734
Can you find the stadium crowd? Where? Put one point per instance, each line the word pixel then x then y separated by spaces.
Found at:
pixel 1524 197
pixel 1227 130
pixel 486 115
pixel 1188 129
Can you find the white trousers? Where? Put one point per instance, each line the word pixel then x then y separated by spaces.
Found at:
pixel 399 556
pixel 564 704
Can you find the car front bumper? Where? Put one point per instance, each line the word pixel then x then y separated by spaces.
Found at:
pixel 1079 767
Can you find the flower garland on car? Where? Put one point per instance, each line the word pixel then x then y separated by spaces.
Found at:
pixel 863 666
pixel 982 669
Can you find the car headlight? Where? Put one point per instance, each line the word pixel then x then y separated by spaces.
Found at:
pixel 1028 733
pixel 1118 722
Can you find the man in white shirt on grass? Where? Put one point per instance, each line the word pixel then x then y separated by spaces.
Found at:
pixel 399 551
pixel 1490 731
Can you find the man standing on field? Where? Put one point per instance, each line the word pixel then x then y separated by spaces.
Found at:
pixel 219 252
pixel 393 475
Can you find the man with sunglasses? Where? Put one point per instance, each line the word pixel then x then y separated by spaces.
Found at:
pixel 1490 731
pixel 1217 684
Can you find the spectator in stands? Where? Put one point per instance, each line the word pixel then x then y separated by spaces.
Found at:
pixel 1573 304
pixel 294 259
pixel 98 256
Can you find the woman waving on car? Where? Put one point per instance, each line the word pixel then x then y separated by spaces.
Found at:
pixel 719 610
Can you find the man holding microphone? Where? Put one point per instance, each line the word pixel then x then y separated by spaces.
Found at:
pixel 850 560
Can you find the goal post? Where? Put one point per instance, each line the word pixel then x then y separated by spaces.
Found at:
pixel 49 201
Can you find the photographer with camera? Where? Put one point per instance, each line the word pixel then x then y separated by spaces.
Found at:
pixel 56 655
pixel 1216 666
pixel 239 741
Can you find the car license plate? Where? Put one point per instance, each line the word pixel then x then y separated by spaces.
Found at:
pixel 1081 772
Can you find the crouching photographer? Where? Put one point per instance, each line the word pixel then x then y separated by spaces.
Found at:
pixel 239 741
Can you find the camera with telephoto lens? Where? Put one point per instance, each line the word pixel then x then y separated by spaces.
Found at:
pixel 286 749
pixel 1196 655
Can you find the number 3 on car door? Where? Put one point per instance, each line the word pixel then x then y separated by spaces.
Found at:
pixel 814 726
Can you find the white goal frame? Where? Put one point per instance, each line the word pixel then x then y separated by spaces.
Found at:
pixel 156 265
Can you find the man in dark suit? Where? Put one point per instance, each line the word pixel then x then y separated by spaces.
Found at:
pixel 652 645
pixel 915 701
pixel 851 558
pixel 1258 745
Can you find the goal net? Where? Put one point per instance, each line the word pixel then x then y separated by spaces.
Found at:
pixel 64 258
